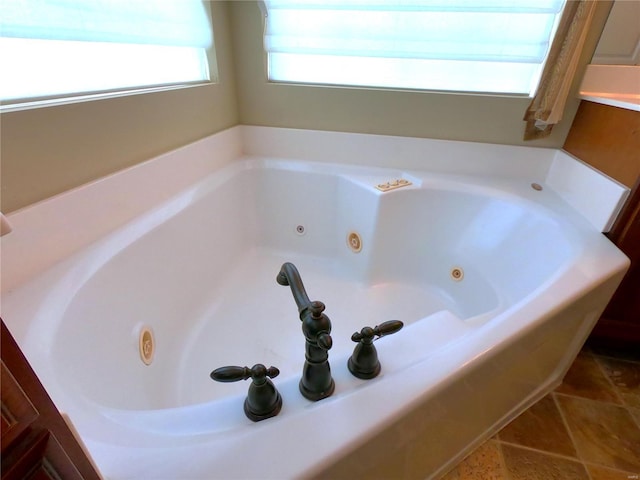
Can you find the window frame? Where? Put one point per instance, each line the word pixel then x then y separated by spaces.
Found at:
pixel 67 98
pixel 534 83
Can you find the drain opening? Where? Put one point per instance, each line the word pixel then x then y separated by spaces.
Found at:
pixel 300 229
pixel 354 241
pixel 457 274
pixel 146 345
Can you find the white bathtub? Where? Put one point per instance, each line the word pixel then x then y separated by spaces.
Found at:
pixel 199 271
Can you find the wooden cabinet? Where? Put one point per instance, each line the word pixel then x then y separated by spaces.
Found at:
pixel 619 325
pixel 36 441
pixel 608 138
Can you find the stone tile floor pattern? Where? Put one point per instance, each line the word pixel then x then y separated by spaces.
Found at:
pixel 587 429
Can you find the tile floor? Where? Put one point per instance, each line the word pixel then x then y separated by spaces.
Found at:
pixel 587 429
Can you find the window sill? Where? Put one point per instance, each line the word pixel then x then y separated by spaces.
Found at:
pixel 53 102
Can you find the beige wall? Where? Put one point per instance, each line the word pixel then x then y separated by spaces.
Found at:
pixel 435 115
pixel 48 150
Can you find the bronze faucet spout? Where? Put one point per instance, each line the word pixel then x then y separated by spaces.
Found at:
pixel 289 276
pixel 316 382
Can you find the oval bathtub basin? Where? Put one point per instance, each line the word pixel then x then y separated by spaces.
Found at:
pixel 497 284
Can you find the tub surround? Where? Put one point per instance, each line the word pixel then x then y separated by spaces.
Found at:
pixel 597 197
pixel 501 339
pixel 52 229
pixel 42 236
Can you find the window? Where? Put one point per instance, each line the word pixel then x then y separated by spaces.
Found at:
pixel 53 48
pixel 492 46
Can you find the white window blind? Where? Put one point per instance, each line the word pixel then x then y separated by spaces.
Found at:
pixel 62 47
pixel 493 46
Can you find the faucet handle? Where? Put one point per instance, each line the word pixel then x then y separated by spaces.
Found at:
pixel 263 400
pixel 385 328
pixel 235 374
pixel 364 362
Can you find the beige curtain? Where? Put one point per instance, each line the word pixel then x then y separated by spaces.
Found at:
pixel 547 106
